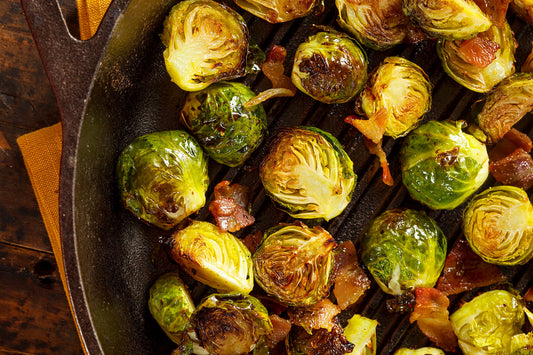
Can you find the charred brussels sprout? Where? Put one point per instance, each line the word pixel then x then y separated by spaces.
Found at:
pixel 498 225
pixel 473 72
pixel 441 165
pixel 295 264
pixel 404 249
pixel 506 105
pixel 162 177
pixel 308 174
pixel 447 19
pixel 205 42
pixel 401 90
pixel 213 257
pixel 487 324
pixel 319 341
pixel 361 332
pixel 329 67
pixel 230 323
pixel 275 11
pixel 376 24
pixel 171 305
pixel 228 131
pixel 419 351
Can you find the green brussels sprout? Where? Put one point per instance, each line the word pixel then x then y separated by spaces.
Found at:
pixel 329 67
pixel 213 257
pixel 227 130
pixel 447 19
pixel 402 89
pixel 498 225
pixel 487 324
pixel 376 24
pixel 171 305
pixel 506 105
pixel 474 77
pixel 295 264
pixel 162 177
pixel 441 165
pixel 361 332
pixel 404 249
pixel 419 351
pixel 276 11
pixel 205 42
pixel 308 174
pixel 230 323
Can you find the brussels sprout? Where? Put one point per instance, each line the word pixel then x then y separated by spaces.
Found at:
pixel 472 76
pixel 361 332
pixel 404 249
pixel 487 324
pixel 376 24
pixel 420 351
pixel 441 165
pixel 228 131
pixel 308 174
pixel 402 89
pixel 506 105
pixel 213 257
pixel 447 19
pixel 230 323
pixel 295 264
pixel 498 225
pixel 162 177
pixel 319 342
pixel 275 11
pixel 329 67
pixel 205 42
pixel 524 9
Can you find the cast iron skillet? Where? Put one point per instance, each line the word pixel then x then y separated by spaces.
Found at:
pixel 114 88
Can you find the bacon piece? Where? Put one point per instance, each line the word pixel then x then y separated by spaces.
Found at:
pixel 479 51
pixel 495 9
pixel 351 281
pixel 280 329
pixel 229 207
pixel 376 149
pixel 432 316
pixel 373 128
pixel 516 169
pixel 512 140
pixel 317 316
pixel 464 270
pixel 529 295
pixel 252 241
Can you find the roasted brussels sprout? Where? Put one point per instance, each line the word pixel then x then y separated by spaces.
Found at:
pixel 308 174
pixel 441 165
pixel 329 67
pixel 295 264
pixel 419 351
pixel 162 177
pixel 376 24
pixel 506 105
pixel 230 323
pixel 404 249
pixel 171 305
pixel 498 225
pixel 228 131
pixel 276 11
pixel 524 9
pixel 447 19
pixel 205 42
pixel 361 332
pixel 319 342
pixel 213 257
pixel 466 62
pixel 487 324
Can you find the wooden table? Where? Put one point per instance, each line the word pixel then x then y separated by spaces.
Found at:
pixel 34 313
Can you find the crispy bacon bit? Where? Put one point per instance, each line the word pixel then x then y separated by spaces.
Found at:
pixel 479 51
pixel 229 207
pixel 252 241
pixel 351 281
pixel 516 169
pixel 280 329
pixel 376 149
pixel 464 270
pixel 317 316
pixel 373 128
pixel 432 316
pixel 529 295
pixel 495 9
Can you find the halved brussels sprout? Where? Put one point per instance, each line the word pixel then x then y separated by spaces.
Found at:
pixel 329 67
pixel 474 76
pixel 295 264
pixel 498 225
pixel 319 342
pixel 171 305
pixel 227 130
pixel 419 351
pixel 205 42
pixel 506 105
pixel 376 24
pixel 404 249
pixel 401 89
pixel 230 323
pixel 524 9
pixel 487 324
pixel 275 11
pixel 307 173
pixel 213 257
pixel 447 19
pixel 162 177
pixel 441 165
pixel 361 332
